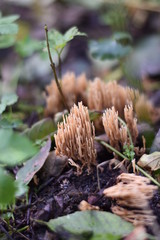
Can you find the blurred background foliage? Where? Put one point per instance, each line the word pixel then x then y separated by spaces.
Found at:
pixel 122 43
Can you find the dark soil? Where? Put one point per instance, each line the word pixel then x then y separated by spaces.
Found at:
pixel 60 196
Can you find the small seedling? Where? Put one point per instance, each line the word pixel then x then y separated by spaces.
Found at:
pixel 58 41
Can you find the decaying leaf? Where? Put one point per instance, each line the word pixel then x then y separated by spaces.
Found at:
pixel 32 166
pixel 53 165
pixel 139 233
pixel 150 161
pixel 132 194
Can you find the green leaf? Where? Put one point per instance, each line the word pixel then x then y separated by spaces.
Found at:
pixel 8 19
pixel 7 41
pixel 41 129
pixel 9 99
pixel 2 108
pixel 122 36
pixel 108 49
pixel 15 148
pixel 58 41
pixel 11 28
pixel 96 222
pixel 21 188
pixel 93 115
pixel 7 25
pixel 72 33
pixel 9 123
pixel 27 46
pixel 106 237
pixel 7 188
pixel 32 166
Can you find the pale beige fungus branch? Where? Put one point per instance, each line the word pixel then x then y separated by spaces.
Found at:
pixel 131 122
pixel 132 194
pixel 116 131
pixel 74 90
pixel 75 137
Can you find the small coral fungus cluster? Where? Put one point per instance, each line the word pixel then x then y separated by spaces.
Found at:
pixel 119 108
pixel 132 194
pixel 75 135
pixel 97 95
pixel 74 90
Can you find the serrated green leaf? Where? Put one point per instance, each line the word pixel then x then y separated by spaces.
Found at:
pixel 96 222
pixel 15 148
pixel 108 49
pixel 71 33
pixel 58 41
pixel 7 188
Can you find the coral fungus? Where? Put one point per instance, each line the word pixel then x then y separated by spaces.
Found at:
pixel 74 90
pixel 132 194
pixel 116 131
pixel 75 137
pixel 105 95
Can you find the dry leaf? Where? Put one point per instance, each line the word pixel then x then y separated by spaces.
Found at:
pixel 150 161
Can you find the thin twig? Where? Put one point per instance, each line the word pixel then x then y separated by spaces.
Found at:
pixel 54 70
pixel 28 210
pixel 59 66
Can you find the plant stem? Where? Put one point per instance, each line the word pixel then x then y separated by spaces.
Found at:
pixel 54 70
pixel 124 157
pixel 110 147
pixel 147 175
pixel 59 65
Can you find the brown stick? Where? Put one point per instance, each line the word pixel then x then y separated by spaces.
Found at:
pixel 54 70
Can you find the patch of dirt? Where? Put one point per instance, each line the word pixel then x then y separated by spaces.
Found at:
pixel 60 196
